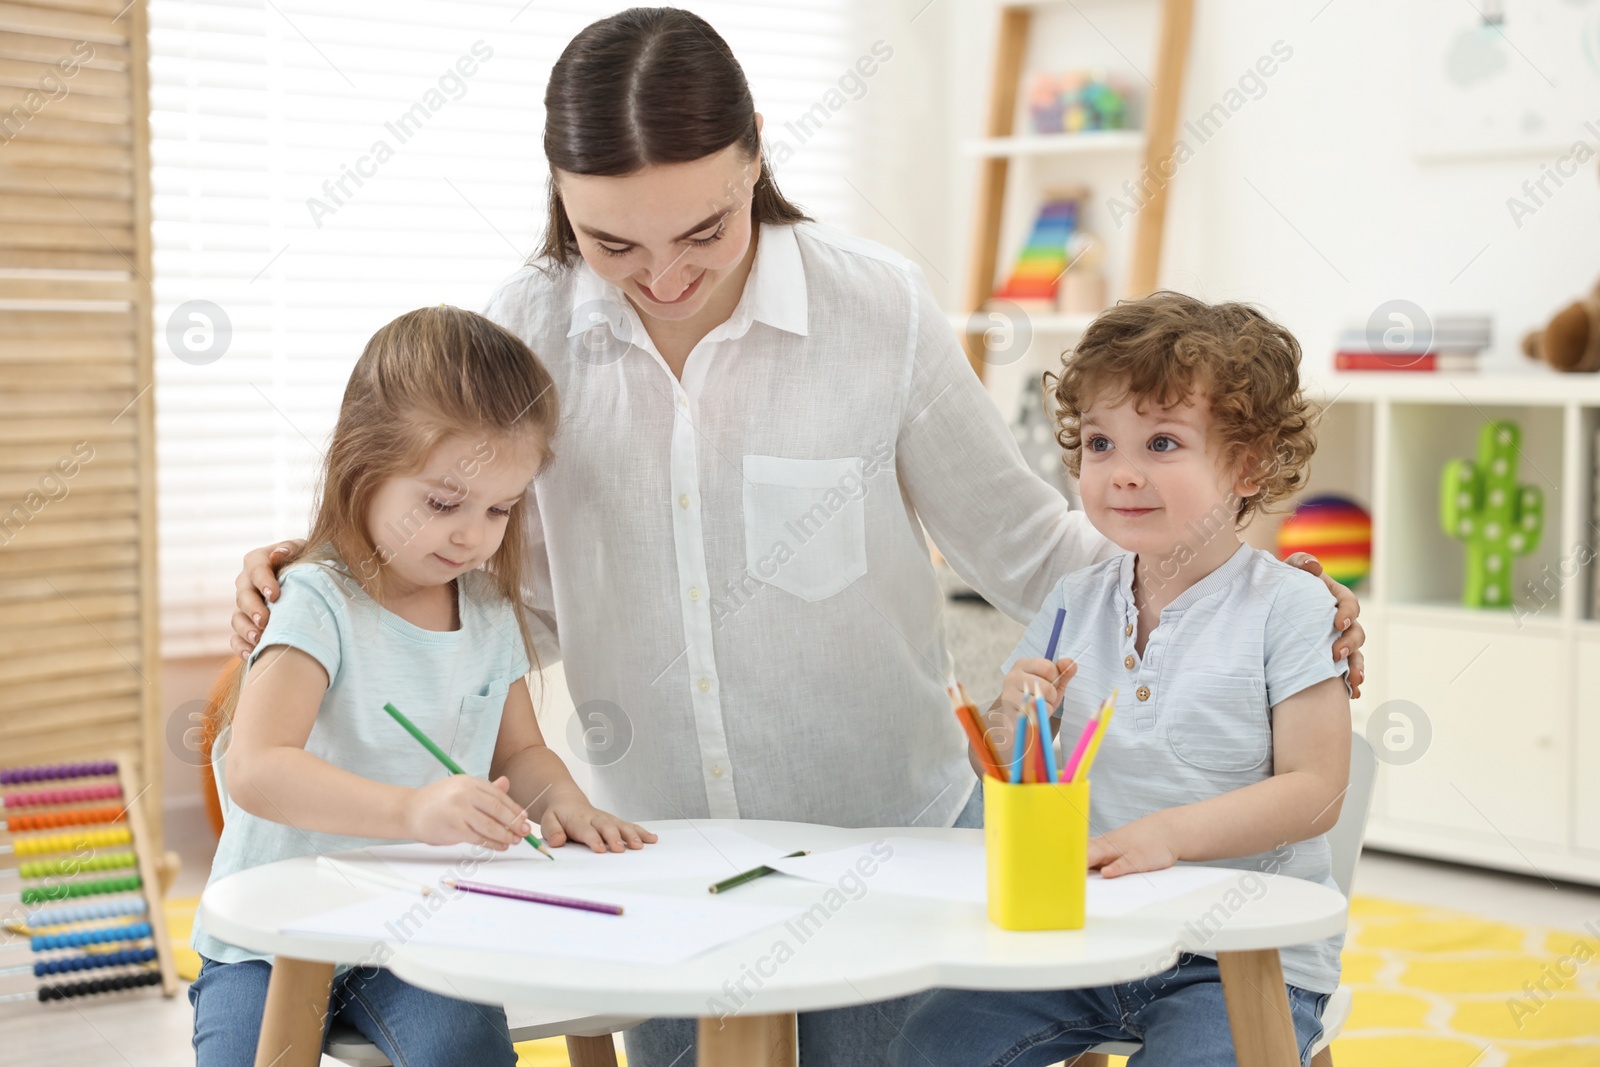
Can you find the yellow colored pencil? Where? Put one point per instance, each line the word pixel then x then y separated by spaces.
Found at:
pixel 1103 719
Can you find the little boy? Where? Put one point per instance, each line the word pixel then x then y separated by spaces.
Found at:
pixel 1230 745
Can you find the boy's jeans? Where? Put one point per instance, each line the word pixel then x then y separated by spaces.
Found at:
pixel 1179 1016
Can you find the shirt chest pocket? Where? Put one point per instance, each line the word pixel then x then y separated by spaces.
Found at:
pixel 805 524
pixel 1219 722
pixel 477 727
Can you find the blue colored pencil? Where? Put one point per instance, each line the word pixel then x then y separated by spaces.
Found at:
pixel 1043 715
pixel 1019 750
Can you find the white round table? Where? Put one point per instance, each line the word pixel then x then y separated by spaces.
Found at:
pixel 873 947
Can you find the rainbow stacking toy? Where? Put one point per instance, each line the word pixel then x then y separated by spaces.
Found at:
pixel 1044 258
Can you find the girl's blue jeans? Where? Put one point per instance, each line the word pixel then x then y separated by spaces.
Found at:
pixel 413 1027
pixel 1179 1016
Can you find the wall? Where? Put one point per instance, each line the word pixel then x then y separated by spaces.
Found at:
pixel 1310 200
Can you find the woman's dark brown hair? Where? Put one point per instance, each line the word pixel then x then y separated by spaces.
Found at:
pixel 647 86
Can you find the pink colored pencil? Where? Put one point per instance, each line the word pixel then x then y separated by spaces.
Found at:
pixel 1084 740
pixel 534 898
pixel 1079 749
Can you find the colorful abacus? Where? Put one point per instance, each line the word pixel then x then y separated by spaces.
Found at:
pixel 97 857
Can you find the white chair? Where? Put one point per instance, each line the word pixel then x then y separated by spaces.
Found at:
pixel 1344 840
pixel 589 1040
pixel 589 1037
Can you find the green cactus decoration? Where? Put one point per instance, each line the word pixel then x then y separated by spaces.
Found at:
pixel 1482 505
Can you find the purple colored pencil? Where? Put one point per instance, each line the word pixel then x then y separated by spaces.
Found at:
pixel 1055 635
pixel 534 898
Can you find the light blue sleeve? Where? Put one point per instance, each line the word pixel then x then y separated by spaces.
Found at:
pixel 1299 638
pixel 1036 637
pixel 310 615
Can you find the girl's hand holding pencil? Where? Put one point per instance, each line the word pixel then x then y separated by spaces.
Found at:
pixel 462 808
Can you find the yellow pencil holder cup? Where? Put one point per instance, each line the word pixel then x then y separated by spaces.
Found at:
pixel 1036 844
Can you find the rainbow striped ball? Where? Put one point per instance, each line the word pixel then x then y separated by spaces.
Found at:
pixel 1336 530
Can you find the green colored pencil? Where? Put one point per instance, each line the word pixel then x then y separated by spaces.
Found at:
pixel 450 765
pixel 752 874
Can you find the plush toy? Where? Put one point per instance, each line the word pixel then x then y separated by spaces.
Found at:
pixel 1571 340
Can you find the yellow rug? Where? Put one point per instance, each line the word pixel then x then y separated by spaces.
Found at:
pixel 1441 988
pixel 1433 988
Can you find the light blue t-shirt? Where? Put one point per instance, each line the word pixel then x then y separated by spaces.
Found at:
pixel 1193 715
pixel 451 684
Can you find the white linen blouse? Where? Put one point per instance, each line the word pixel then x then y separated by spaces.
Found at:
pixel 732 567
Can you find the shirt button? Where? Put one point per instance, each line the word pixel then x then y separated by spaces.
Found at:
pixel 1128 663
pixel 683 403
pixel 705 685
pixel 683 501
pixel 1128 631
pixel 694 592
pixel 716 770
pixel 1143 692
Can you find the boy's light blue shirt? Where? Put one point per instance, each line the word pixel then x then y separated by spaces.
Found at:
pixel 1194 713
pixel 452 684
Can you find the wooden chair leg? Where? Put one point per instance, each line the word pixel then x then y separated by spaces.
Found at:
pixel 592 1051
pixel 1258 1008
pixel 295 1014
pixel 1323 1058
pixel 749 1041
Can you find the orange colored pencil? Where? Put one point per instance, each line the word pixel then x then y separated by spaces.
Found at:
pixel 966 715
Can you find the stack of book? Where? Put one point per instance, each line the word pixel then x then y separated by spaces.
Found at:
pixel 1451 343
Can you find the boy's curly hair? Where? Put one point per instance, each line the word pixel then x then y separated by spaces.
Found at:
pixel 1166 348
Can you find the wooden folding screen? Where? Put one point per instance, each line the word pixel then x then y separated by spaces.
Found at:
pixel 79 665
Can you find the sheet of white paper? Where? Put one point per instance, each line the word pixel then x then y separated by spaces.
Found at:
pixel 653 930
pixel 945 870
pixel 711 853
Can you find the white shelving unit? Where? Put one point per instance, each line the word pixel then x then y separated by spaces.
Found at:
pixel 1511 698
pixel 1017 168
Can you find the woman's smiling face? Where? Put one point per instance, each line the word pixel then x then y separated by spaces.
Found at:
pixel 668 236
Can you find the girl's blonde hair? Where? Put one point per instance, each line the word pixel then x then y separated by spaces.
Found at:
pixel 430 374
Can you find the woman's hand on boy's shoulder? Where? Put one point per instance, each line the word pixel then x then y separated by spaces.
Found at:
pixel 577 820
pixel 256 584
pixel 1351 636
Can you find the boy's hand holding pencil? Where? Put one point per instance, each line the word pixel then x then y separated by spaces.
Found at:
pixel 1048 679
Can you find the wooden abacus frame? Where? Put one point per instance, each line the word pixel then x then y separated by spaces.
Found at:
pixel 142 845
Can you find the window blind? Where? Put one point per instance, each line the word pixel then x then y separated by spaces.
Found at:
pixel 318 168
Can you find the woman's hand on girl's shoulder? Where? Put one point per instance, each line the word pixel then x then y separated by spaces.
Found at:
pixel 577 820
pixel 256 584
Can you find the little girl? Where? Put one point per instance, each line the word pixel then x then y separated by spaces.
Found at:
pixel 404 591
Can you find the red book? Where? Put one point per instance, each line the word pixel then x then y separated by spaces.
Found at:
pixel 1397 361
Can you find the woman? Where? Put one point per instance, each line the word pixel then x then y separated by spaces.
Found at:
pixel 760 418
